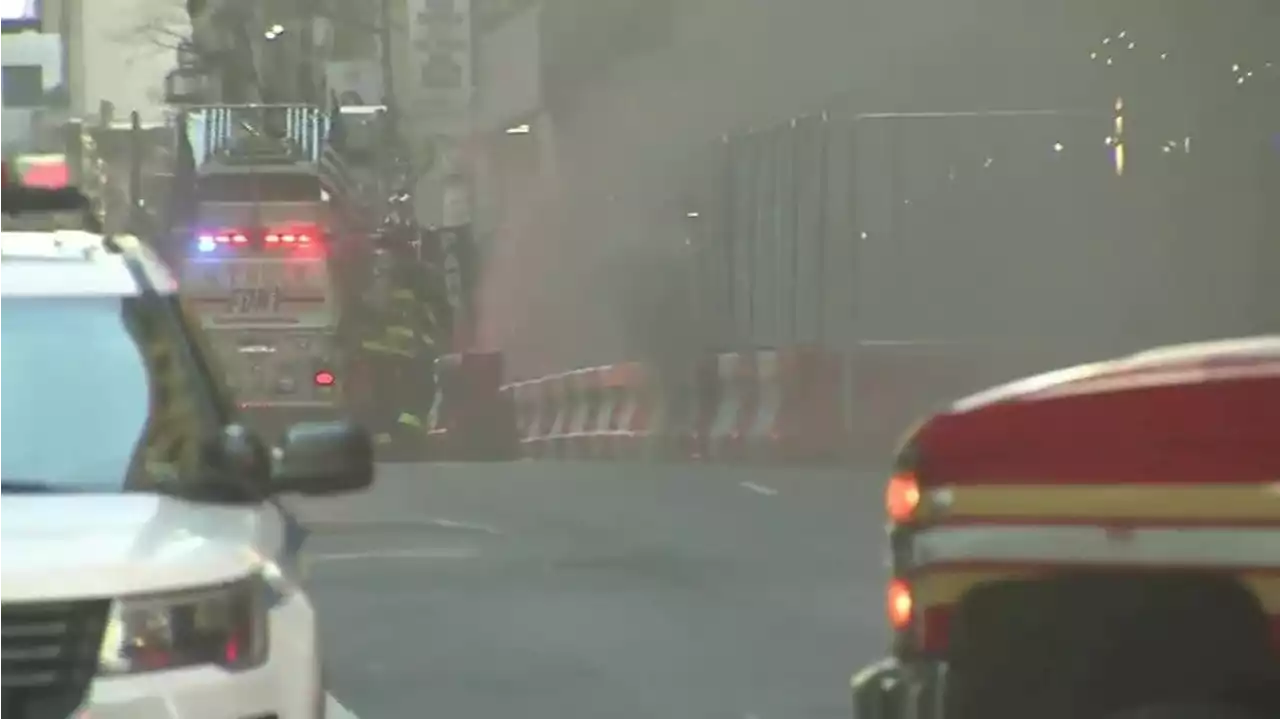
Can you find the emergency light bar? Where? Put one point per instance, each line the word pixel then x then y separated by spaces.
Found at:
pixel 282 239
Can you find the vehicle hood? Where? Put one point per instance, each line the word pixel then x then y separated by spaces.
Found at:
pixel 88 545
pixel 1184 413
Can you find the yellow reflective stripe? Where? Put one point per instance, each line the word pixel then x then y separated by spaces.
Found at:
pixel 401 331
pixel 409 419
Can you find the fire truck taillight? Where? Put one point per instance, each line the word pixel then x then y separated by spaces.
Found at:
pixel 296 237
pixel 902 497
pixel 900 605
pixel 324 378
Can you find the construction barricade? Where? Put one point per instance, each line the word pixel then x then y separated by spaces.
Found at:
pixel 778 405
pixel 795 404
pixel 772 405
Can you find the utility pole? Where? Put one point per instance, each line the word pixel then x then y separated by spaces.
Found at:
pixel 134 218
pixel 70 27
pixel 306 72
pixel 385 54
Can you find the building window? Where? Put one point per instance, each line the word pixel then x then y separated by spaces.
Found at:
pixel 23 86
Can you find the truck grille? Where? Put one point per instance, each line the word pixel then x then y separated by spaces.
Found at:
pixel 50 653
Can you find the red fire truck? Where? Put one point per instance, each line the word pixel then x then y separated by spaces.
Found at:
pixel 1090 542
pixel 258 268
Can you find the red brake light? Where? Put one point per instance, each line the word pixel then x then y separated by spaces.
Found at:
pixel 325 378
pixel 293 237
pixel 902 497
pixel 900 604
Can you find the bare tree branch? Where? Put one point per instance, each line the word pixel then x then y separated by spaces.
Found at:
pixel 157 33
pixel 164 25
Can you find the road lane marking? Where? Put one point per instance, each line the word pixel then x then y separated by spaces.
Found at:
pixel 419 553
pixel 472 526
pixel 335 710
pixel 758 488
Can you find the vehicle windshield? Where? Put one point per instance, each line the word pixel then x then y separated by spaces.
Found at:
pixel 95 397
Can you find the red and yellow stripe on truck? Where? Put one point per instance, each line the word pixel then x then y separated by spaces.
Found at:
pixel 1161 461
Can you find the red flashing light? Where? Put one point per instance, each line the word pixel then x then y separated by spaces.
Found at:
pixel 293 237
pixel 902 497
pixel 325 378
pixel 900 604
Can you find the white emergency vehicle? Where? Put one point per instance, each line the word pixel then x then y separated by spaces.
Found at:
pixel 148 569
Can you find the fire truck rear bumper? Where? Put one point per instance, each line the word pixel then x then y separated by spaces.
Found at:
pixel 271 419
pixel 889 689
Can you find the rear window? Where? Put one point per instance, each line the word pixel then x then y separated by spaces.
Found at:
pixel 97 394
pixel 271 187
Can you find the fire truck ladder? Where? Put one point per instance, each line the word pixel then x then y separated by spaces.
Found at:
pixel 216 129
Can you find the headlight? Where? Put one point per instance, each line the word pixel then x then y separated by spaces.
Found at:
pixel 224 626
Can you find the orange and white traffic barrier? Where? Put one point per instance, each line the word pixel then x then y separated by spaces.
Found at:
pixel 759 406
pixel 533 416
pixel 778 405
pixel 762 432
pixel 556 399
pixel 540 409
pixel 583 394
pixel 630 413
pixel 738 401
pixel 639 415
pixel 607 412
pixel 611 385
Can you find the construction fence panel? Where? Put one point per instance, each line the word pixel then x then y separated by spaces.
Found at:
pixel 765 285
pixel 741 238
pixel 990 227
pixel 809 227
pixel 711 223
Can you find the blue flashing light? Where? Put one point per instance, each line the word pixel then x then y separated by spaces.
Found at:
pixel 206 243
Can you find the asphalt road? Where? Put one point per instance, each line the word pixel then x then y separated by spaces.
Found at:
pixel 560 590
